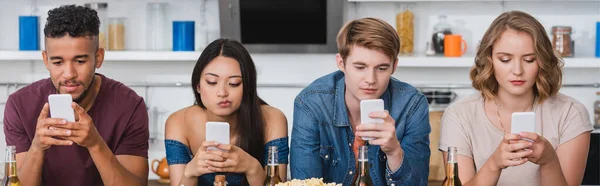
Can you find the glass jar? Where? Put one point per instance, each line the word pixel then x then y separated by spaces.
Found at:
pixel 102 10
pixel 597 111
pixel 561 40
pixel 405 28
pixel 156 25
pixel 440 30
pixel 116 33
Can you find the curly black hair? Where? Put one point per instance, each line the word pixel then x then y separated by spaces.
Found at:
pixel 77 21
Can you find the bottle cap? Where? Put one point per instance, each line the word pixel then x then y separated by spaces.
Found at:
pixel 220 178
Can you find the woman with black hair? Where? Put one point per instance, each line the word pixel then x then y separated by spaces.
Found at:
pixel 224 85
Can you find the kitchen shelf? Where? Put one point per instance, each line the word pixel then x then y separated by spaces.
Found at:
pixel 110 56
pixel 366 1
pixel 403 61
pixel 468 62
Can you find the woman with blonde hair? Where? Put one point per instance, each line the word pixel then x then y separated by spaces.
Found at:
pixel 516 70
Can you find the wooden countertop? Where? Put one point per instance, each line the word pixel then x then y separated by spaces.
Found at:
pixel 155 183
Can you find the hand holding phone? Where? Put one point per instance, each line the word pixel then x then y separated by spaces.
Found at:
pixel 60 106
pixel 218 132
pixel 367 107
pixel 44 137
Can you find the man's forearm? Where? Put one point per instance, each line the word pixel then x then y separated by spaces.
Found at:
pixel 111 171
pixel 30 173
pixel 394 160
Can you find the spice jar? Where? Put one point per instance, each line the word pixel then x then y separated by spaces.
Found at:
pixel 102 10
pixel 561 40
pixel 116 33
pixel 405 28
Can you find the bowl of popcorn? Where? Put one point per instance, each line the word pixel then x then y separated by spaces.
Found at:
pixel 307 182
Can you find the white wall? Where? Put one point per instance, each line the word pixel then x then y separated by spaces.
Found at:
pixel 471 19
pixel 475 17
pixel 133 10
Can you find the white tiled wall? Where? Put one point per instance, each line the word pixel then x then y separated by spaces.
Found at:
pixel 472 17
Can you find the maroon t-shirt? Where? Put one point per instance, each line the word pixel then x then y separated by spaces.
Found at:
pixel 119 115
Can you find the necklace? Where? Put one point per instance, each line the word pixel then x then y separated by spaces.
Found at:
pixel 500 119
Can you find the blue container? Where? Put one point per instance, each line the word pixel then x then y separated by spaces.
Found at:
pixel 183 35
pixel 28 33
pixel 598 39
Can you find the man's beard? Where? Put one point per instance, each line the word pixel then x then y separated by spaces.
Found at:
pixel 84 93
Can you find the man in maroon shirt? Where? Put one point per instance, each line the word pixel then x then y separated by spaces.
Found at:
pixel 108 142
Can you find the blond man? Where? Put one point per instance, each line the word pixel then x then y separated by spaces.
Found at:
pixel 327 130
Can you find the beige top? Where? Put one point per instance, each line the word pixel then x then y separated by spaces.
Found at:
pixel 466 126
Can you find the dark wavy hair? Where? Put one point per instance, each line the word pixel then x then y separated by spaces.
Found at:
pixel 549 79
pixel 251 128
pixel 76 21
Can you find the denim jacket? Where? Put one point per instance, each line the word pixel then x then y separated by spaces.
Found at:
pixel 322 136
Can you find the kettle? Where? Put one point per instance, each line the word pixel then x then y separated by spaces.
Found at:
pixel 162 170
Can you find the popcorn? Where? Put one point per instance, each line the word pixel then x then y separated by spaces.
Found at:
pixel 307 182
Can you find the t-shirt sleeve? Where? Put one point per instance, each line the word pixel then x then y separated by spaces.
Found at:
pixel 577 121
pixel 135 140
pixel 453 133
pixel 14 129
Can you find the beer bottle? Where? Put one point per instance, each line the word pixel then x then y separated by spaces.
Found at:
pixel 363 178
pixel 10 167
pixel 452 169
pixel 272 168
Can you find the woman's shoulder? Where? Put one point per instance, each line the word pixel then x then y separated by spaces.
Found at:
pixel 561 100
pixel 271 113
pixel 177 123
pixel 561 103
pixel 466 104
pixel 275 122
pixel 181 116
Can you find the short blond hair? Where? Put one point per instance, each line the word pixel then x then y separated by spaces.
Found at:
pixel 549 79
pixel 371 33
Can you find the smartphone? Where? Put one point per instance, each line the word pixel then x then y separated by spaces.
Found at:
pixel 60 106
pixel 217 131
pixel 522 122
pixel 368 106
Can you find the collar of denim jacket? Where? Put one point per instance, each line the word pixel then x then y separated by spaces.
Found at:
pixel 340 114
